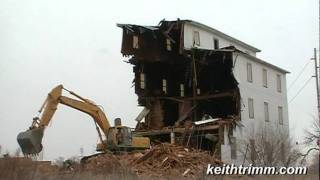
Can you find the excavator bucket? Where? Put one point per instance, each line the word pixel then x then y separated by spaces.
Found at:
pixel 30 141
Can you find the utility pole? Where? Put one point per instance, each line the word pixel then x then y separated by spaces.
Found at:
pixel 317 68
pixel 317 79
pixel 319 38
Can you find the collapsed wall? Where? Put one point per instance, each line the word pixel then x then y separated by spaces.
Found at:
pixel 179 86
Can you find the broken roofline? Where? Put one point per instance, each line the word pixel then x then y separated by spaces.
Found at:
pixel 223 35
pixel 155 28
pixel 200 25
pixel 235 50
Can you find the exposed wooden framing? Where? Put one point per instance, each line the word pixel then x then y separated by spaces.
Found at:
pixel 204 97
pixel 175 130
pixel 194 85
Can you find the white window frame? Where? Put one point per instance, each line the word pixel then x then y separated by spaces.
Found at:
pixel 251 108
pixel 266 111
pixel 279 83
pixel 280 115
pixel 265 77
pixel 249 73
pixel 196 38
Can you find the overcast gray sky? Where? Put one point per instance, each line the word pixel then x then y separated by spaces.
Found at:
pixel 76 43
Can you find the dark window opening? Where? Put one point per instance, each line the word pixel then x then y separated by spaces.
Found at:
pixel 216 43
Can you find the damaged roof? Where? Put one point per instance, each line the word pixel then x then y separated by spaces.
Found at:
pixel 223 35
pixel 258 60
pixel 142 29
pixel 194 23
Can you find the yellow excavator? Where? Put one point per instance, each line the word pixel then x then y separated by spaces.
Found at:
pixel 117 138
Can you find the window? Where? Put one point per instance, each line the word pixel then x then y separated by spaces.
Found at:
pixel 280 114
pixel 164 86
pixel 249 72
pixel 168 42
pixel 251 110
pixel 233 147
pixel 252 150
pixel 135 42
pixel 265 78
pixel 269 152
pixel 196 38
pixel 283 151
pixel 142 81
pixel 216 43
pixel 266 111
pixel 181 90
pixel 279 83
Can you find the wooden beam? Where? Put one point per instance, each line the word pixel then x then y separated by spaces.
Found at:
pixel 175 130
pixel 203 97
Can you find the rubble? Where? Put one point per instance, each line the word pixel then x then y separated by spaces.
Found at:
pixel 162 160
pixel 168 159
pixel 101 164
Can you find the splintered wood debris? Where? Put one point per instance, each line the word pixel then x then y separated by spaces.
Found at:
pixel 165 159
pixel 162 160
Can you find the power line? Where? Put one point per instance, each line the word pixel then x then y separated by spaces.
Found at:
pixel 295 80
pixel 305 84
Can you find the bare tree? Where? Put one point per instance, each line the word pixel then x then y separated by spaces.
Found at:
pixel 314 166
pixel 312 140
pixel 0 149
pixel 269 147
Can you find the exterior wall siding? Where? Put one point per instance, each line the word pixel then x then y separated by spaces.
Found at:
pixel 206 39
pixel 254 90
pixel 259 94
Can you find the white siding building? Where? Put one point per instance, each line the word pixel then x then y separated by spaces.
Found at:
pixel 264 107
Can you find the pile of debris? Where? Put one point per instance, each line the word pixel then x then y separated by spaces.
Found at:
pixel 168 159
pixel 160 161
pixel 98 164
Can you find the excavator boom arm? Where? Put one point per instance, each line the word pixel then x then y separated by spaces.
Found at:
pixel 93 110
pixel 30 140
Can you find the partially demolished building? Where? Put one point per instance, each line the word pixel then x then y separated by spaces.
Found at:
pixel 200 87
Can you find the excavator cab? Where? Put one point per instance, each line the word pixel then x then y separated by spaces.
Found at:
pixel 121 138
